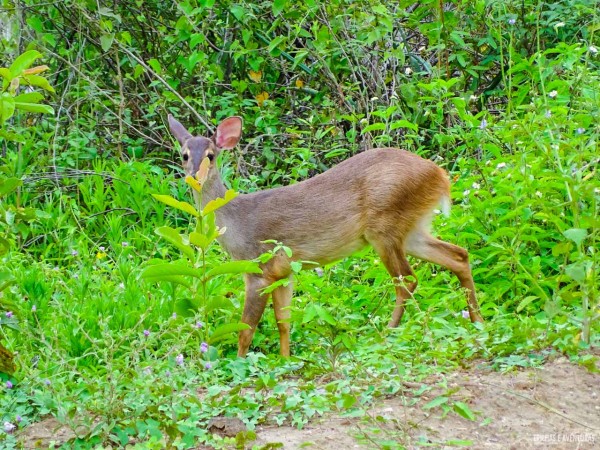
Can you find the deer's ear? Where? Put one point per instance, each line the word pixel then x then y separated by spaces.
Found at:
pixel 178 130
pixel 228 132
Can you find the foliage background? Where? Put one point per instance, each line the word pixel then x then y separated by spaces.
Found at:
pixel 503 94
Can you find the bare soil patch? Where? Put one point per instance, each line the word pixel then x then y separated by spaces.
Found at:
pixel 556 406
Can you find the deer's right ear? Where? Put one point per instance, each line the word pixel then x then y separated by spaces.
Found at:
pixel 178 130
pixel 228 132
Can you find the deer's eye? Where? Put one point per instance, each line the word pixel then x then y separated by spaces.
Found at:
pixel 210 156
pixel 186 156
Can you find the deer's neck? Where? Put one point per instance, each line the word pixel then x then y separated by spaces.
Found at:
pixel 226 217
pixel 213 188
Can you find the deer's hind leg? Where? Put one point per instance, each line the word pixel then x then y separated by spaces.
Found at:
pixel 391 252
pixel 424 246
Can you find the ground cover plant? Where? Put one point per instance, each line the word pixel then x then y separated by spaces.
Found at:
pixel 98 335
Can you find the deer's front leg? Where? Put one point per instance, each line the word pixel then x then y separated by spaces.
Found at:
pixel 282 299
pixel 254 307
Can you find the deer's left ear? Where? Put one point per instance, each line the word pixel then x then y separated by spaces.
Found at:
pixel 228 133
pixel 178 130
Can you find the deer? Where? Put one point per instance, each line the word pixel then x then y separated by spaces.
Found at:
pixel 382 197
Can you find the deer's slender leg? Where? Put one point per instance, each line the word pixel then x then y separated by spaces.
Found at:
pixel 254 306
pixel 392 255
pixel 282 299
pixel 424 246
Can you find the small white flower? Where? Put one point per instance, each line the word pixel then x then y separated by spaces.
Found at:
pixel 466 193
pixel 538 194
pixel 559 25
pixel 374 99
pixel 473 98
pixel 501 165
pixel 597 191
pixel 408 71
pixel 476 186
pixel 121 285
pixel 552 94
pixel 593 50
pixel 9 427
pixel 548 114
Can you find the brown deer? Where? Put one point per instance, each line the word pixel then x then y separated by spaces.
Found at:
pixel 384 197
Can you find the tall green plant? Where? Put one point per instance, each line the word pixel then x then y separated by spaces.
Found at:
pixel 192 272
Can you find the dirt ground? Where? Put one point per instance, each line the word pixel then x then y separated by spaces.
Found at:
pixel 556 406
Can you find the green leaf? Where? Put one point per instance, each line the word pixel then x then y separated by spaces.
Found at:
pixel 23 62
pixel 9 185
pixel 576 271
pixel 324 315
pixel 462 409
pixel 106 41
pixel 7 107
pixel 348 401
pixel 5 279
pixel 183 206
pixel 238 11
pixel 38 81
pixel 165 272
pixel 35 108
pixel 309 313
pixel 526 301
pixel 373 127
pixel 403 124
pixel 234 267
pixel 177 279
pixel 155 65
pixel 278 6
pixel 29 97
pixel 217 302
pixel 4 246
pixel 186 307
pixel 576 235
pixel 200 240
pixel 219 202
pixel 436 402
pixel 223 331
pixel 172 236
